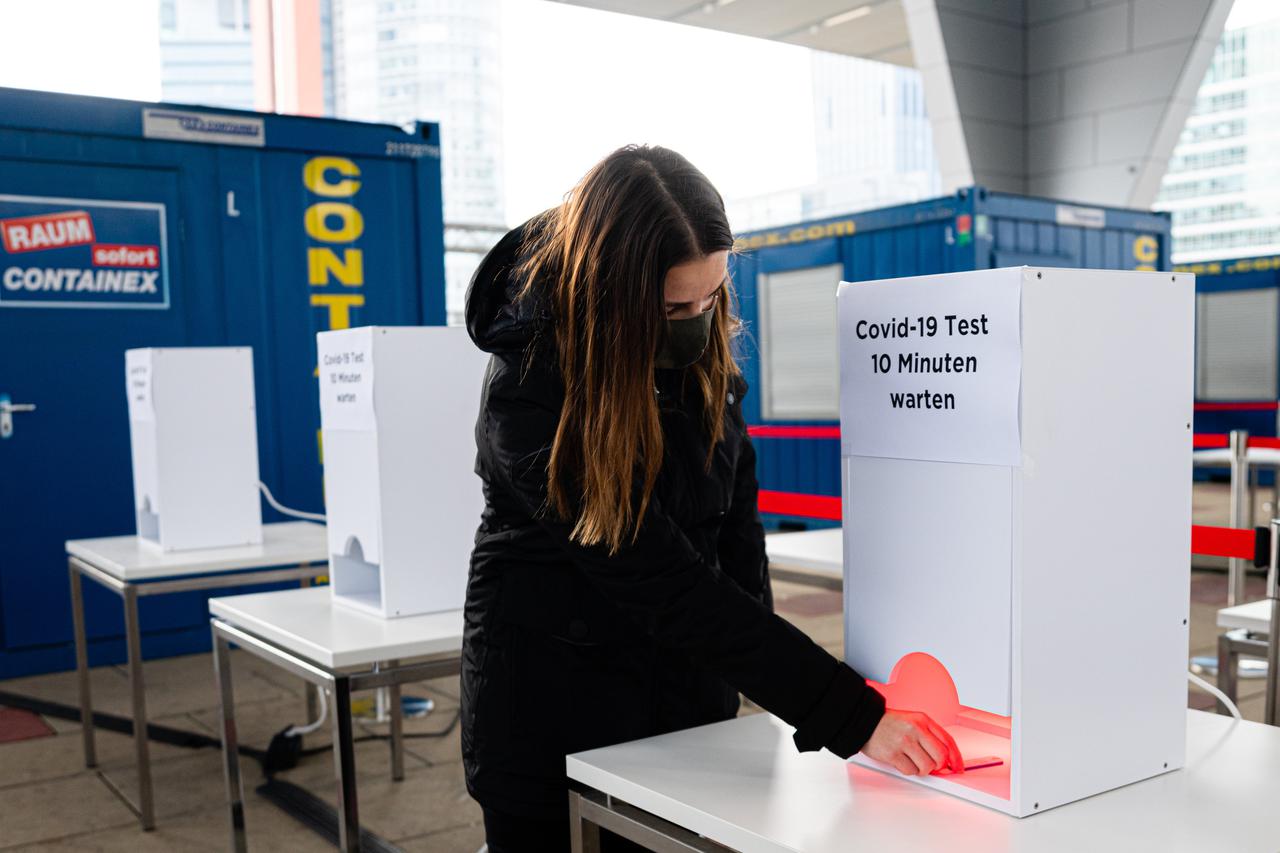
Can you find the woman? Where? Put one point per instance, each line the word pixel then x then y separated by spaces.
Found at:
pixel 619 586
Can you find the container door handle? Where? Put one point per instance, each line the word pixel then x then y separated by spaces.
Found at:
pixel 7 409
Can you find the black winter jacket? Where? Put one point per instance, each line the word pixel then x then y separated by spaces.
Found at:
pixel 567 648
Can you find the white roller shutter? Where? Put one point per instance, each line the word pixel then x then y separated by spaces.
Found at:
pixel 1236 345
pixel 798 353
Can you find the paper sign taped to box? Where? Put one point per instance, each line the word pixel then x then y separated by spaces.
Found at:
pixel 930 368
pixel 346 381
pixel 138 378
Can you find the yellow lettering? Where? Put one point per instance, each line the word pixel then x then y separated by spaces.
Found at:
pixel 339 305
pixel 1146 249
pixel 323 261
pixel 317 225
pixel 315 176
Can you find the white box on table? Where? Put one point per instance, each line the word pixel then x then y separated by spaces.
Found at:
pixel 1017 537
pixel 402 500
pixel 193 436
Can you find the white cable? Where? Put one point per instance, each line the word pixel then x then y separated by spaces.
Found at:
pixel 311 727
pixel 296 513
pixel 1221 697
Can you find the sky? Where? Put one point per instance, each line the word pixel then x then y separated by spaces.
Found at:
pixel 113 49
pixel 578 83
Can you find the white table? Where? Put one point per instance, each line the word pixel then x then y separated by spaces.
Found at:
pixel 743 784
pixel 1254 616
pixel 339 649
pixel 133 568
pixel 813 557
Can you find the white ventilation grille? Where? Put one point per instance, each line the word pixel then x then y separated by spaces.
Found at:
pixel 798 352
pixel 1236 345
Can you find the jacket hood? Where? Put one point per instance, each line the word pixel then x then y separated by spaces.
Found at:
pixel 496 321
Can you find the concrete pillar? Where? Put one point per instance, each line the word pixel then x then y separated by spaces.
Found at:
pixel 1075 99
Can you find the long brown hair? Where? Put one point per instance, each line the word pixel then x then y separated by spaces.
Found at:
pixel 601 258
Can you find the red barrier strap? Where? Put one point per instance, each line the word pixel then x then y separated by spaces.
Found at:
pixel 793 431
pixel 1201 440
pixel 803 506
pixel 1223 542
pixel 1261 406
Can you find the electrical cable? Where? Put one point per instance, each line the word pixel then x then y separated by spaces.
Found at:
pixel 293 731
pixel 1221 697
pixel 278 507
pixel 444 732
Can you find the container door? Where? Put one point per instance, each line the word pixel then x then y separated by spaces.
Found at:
pixel 87 262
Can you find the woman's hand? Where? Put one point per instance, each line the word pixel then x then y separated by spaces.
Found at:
pixel 913 744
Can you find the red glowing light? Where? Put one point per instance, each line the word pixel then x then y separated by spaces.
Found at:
pixel 920 682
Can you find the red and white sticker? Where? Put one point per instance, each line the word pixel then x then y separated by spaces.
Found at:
pixel 47 231
pixel 122 255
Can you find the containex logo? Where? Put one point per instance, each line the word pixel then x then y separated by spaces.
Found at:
pixel 82 253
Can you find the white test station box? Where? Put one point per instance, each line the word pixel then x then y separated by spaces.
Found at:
pixel 398 408
pixel 1016 451
pixel 193 434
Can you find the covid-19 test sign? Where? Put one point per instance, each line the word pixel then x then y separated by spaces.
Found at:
pixel 930 368
pixel 82 253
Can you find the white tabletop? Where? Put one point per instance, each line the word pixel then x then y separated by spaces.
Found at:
pixel 818 551
pixel 1254 616
pixel 308 623
pixel 743 784
pixel 1264 456
pixel 129 558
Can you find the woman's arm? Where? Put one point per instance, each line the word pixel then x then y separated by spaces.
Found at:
pixel 666 586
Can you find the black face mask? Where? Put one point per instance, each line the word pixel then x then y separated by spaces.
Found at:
pixel 685 342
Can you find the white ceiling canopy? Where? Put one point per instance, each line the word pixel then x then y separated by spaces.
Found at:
pixel 872 29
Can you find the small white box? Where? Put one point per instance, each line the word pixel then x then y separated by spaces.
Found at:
pixel 398 408
pixel 1037 609
pixel 193 434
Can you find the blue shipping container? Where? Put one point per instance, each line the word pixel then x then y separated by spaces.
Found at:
pixel 240 229
pixel 785 279
pixel 1237 354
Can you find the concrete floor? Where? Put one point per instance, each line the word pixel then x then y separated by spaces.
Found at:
pixel 49 801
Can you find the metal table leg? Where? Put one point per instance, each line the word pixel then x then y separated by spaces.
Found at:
pixel 310 699
pixel 82 665
pixel 338 688
pixel 1228 662
pixel 344 762
pixel 590 810
pixel 397 727
pixel 133 638
pixel 1241 512
pixel 584 836
pixel 230 742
